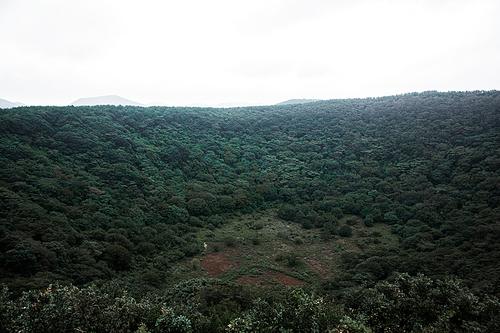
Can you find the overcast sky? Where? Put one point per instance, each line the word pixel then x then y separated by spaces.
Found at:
pixel 53 52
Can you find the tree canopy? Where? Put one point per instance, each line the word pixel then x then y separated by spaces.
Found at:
pixel 97 193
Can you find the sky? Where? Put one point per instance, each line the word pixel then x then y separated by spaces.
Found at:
pixel 53 52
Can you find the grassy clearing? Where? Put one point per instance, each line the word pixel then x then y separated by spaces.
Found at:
pixel 264 243
pixel 377 237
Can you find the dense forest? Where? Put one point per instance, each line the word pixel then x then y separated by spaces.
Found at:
pixel 99 200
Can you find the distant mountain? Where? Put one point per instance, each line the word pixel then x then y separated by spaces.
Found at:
pixel 298 101
pixel 4 104
pixel 105 100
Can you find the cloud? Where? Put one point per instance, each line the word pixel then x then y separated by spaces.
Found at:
pixel 75 29
pixel 266 50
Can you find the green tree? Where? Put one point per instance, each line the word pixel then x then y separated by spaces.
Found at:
pixel 198 207
pixel 21 259
pixel 117 257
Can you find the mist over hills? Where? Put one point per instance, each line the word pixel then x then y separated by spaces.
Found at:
pixel 105 100
pixel 298 101
pixel 5 104
pixel 118 100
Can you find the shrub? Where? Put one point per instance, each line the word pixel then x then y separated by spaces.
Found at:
pixel 283 234
pixel 337 212
pixel 351 221
pixel 298 241
pixel 306 224
pixel 146 248
pixel 292 260
pixel 194 263
pixel 171 321
pixel 297 312
pixel 230 241
pixel 70 309
pixel 215 220
pixel 257 225
pixel 216 247
pixel 287 213
pixel 330 228
pixel 368 221
pixel 195 222
pixel 345 231
pixel 256 241
pixel 408 304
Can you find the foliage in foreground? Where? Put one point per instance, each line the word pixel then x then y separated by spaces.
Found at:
pixel 406 304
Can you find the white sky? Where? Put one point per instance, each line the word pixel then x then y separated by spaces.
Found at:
pixel 181 52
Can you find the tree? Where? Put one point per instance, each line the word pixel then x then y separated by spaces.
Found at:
pixel 117 257
pixel 21 259
pixel 198 207
pixel 177 214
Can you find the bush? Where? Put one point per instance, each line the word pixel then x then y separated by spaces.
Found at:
pixel 215 220
pixel 330 228
pixel 297 312
pixel 287 213
pixel 195 222
pixel 306 224
pixel 345 231
pixel 283 234
pixel 298 241
pixel 410 303
pixel 351 221
pixel 171 321
pixel 146 248
pixel 337 212
pixel 256 241
pixel 368 221
pixel 230 241
pixel 293 260
pixel 70 309
pixel 216 247
pixel 194 263
pixel 257 225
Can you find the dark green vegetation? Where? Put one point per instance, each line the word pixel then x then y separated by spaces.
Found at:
pixel 124 198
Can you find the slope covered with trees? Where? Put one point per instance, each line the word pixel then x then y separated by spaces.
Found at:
pixel 93 194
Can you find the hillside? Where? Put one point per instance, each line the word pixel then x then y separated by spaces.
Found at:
pixel 330 196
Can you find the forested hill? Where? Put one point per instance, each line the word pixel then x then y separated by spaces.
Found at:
pixel 91 193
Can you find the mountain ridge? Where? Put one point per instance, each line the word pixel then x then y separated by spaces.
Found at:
pixel 105 100
pixel 298 101
pixel 5 104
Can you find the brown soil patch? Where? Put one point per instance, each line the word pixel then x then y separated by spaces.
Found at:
pixel 275 277
pixel 219 262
